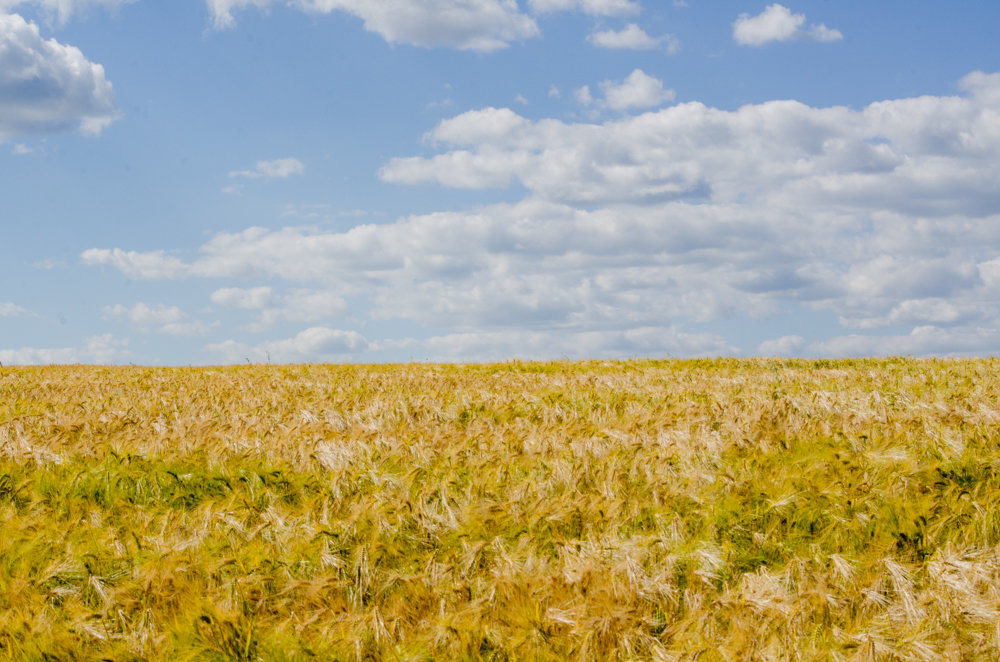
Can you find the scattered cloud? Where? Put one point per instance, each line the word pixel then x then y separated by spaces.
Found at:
pixel 592 7
pixel 638 90
pixel 251 298
pixel 102 349
pixel 152 265
pixel 8 309
pixel 783 346
pixel 778 23
pixel 48 87
pixel 170 320
pixel 62 10
pixel 276 169
pixel 475 25
pixel 632 37
pixel 21 149
pixel 313 344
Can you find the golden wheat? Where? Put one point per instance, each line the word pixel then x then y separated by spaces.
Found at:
pixel 671 510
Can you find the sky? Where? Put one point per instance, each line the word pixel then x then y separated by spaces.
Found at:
pixel 226 181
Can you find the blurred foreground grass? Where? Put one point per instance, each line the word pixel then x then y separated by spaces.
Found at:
pixel 712 510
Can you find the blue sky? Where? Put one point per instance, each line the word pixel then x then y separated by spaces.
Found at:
pixel 216 181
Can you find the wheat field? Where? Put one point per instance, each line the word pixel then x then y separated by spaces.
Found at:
pixel 635 510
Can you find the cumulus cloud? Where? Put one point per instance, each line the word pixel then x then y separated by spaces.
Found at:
pixel 102 349
pixel 170 320
pixel 930 155
pixel 632 37
pixel 778 23
pixel 313 344
pixel 593 7
pixel 276 169
pixel 47 87
pixel 638 90
pixel 8 309
pixel 476 25
pixel 646 227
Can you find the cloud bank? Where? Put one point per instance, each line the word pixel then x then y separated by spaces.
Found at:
pixel 641 234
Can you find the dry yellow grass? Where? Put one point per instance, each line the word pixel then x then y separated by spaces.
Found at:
pixel 712 510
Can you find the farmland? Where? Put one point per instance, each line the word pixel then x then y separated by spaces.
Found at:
pixel 667 510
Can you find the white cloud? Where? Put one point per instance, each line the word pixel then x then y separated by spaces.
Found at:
pixel 154 265
pixel 170 320
pixel 989 271
pixel 633 37
pixel 21 149
pixel 8 309
pixel 783 346
pixel 300 305
pixel 476 25
pixel 48 87
pixel 883 217
pixel 925 340
pixel 583 96
pixel 778 23
pixel 593 7
pixel 276 169
pixel 643 341
pixel 313 344
pixel 638 90
pixel 103 349
pixel 62 9
pixel 253 298
pixel 930 155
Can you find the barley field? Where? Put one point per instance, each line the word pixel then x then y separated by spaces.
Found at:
pixel 634 510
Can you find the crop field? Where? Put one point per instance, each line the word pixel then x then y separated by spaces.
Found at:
pixel 634 510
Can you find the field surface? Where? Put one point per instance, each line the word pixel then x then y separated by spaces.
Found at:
pixel 667 510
